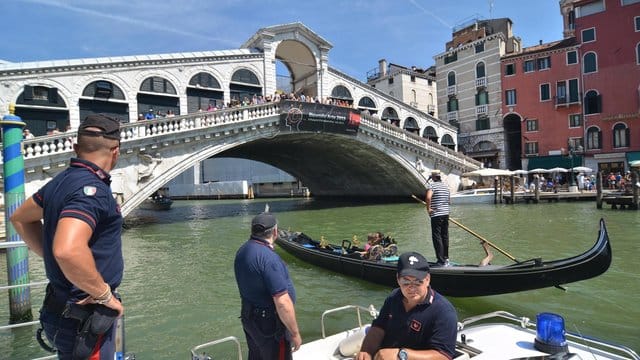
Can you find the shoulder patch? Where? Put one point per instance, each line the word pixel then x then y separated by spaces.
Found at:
pixel 89 190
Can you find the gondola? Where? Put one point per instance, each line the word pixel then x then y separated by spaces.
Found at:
pixel 457 280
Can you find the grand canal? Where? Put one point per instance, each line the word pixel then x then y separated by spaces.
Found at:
pixel 179 289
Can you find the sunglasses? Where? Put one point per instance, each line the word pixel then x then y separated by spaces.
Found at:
pixel 407 282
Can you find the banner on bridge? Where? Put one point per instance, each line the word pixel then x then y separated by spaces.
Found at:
pixel 303 116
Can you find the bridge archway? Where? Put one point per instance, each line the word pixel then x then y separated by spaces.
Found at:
pixel 157 96
pixel 43 107
pixel 301 64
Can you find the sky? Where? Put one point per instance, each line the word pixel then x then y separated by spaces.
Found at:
pixel 404 32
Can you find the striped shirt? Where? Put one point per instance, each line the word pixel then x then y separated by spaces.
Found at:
pixel 439 198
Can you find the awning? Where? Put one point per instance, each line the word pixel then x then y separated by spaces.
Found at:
pixel 549 162
pixel 632 156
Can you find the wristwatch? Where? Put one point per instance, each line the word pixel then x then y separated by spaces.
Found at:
pixel 402 354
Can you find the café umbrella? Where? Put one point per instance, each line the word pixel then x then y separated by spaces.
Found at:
pixel 488 172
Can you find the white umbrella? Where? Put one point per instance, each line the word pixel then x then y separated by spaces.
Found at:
pixel 558 169
pixel 635 163
pixel 538 171
pixel 520 172
pixel 582 169
pixel 488 172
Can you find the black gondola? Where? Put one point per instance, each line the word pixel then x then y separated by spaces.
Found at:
pixel 458 280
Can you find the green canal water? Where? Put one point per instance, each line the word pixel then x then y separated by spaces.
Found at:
pixel 179 289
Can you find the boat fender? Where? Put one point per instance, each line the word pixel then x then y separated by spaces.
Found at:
pixel 351 345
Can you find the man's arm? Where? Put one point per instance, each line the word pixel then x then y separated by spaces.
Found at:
pixel 287 313
pixel 428 198
pixel 73 255
pixel 371 343
pixel 27 222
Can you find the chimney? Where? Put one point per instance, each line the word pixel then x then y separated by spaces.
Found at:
pixel 382 67
pixel 540 42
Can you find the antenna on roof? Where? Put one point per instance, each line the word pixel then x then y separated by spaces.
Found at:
pixel 490 9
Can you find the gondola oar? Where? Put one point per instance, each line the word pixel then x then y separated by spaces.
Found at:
pixel 474 233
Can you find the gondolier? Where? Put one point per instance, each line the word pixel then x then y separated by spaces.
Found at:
pixel 438 199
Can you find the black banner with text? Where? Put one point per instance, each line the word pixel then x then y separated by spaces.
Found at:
pixel 306 116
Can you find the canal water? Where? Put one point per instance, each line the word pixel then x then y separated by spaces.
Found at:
pixel 179 289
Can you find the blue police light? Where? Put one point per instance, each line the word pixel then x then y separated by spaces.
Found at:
pixel 550 337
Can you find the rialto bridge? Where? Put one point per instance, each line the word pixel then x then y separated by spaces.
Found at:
pixel 350 150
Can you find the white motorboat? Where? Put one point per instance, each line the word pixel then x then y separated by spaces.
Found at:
pixel 497 335
pixel 474 196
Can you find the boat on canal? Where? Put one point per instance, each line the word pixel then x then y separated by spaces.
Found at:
pixel 456 280
pixel 492 336
pixel 160 200
pixel 474 196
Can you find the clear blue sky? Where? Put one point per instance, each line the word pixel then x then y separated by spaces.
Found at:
pixel 405 32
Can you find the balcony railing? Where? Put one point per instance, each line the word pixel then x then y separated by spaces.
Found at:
pixel 481 82
pixel 452 115
pixel 481 109
pixel 452 90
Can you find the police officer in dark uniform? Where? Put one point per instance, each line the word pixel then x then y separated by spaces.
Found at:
pixel 80 243
pixel 267 292
pixel 415 321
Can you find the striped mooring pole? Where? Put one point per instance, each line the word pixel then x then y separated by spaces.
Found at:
pixel 17 257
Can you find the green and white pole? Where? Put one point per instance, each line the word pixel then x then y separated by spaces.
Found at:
pixel 17 257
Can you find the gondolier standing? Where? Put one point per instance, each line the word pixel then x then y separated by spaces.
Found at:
pixel 438 200
pixel 268 296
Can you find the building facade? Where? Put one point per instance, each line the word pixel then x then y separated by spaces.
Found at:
pixel 414 86
pixel 585 109
pixel 468 80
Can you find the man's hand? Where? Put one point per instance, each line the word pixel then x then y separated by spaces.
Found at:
pixel 387 354
pixel 363 355
pixel 296 341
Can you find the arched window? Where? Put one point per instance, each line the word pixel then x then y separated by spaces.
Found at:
pixel 430 133
pixel 594 138
pixel 590 62
pixel 157 84
pixel 451 78
pixel 482 97
pixel 480 70
pixel 245 76
pixel 620 136
pixel 341 92
pixel 366 102
pixel 389 114
pixel 447 141
pixel 204 80
pixel 413 96
pixel 411 125
pixel 592 103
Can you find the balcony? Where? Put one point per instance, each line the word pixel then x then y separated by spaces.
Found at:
pixel 566 101
pixel 482 109
pixel 452 116
pixel 431 109
pixel 481 82
pixel 452 90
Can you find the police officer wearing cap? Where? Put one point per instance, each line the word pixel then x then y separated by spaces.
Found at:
pixel 80 243
pixel 415 321
pixel 268 296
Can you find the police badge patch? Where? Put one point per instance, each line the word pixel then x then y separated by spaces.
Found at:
pixel 89 190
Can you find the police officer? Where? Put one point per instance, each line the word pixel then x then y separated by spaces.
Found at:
pixel 415 322
pixel 79 241
pixel 268 296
